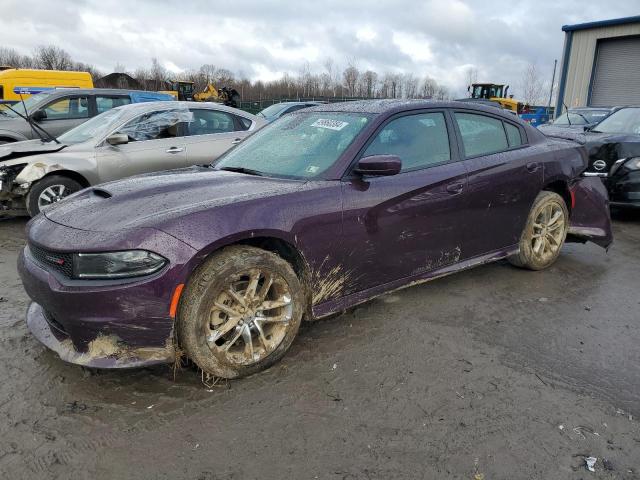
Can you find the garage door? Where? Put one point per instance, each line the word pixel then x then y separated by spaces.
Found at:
pixel 616 78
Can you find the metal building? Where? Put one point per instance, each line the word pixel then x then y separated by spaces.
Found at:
pixel 600 64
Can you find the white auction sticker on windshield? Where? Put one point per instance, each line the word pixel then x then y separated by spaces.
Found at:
pixel 329 124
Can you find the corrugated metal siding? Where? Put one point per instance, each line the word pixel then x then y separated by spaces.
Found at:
pixel 583 51
pixel 616 80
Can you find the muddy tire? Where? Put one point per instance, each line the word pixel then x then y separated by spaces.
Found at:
pixel 49 190
pixel 544 233
pixel 240 311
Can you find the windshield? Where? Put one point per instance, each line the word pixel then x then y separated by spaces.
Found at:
pixel 300 145
pixel 570 119
pixel 273 110
pixel 95 128
pixel 29 103
pixel 626 120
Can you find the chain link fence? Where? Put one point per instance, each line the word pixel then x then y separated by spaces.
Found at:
pixel 254 106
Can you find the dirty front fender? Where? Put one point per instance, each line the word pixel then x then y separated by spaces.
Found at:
pixel 590 215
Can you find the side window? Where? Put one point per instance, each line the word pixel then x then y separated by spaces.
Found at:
pixel 513 135
pixel 481 135
pixel 67 108
pixel 244 123
pixel 157 125
pixel 419 140
pixel 104 103
pixel 206 122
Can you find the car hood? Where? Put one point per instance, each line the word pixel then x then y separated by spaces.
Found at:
pixel 608 147
pixel 153 199
pixel 10 151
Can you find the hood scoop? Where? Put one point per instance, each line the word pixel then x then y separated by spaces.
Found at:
pixel 99 192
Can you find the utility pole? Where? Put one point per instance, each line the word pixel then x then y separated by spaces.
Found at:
pixel 553 79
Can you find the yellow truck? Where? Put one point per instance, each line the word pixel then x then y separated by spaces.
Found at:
pixel 17 81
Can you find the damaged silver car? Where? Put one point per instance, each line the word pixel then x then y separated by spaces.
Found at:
pixel 119 143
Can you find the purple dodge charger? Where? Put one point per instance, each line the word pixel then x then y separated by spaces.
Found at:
pixel 323 209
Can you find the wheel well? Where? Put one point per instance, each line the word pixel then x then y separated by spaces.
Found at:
pixel 562 189
pixel 69 174
pixel 284 249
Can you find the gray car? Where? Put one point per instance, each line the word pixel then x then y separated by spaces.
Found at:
pixel 57 111
pixel 121 142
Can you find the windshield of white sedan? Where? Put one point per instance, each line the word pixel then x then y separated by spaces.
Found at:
pixel 95 128
pixel 626 120
pixel 301 145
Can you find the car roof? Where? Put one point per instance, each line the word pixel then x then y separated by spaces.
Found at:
pixel 397 105
pixel 135 108
pixel 114 91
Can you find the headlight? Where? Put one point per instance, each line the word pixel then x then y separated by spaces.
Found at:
pixel 633 163
pixel 132 263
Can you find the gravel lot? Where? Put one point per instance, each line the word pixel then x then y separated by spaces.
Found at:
pixel 494 373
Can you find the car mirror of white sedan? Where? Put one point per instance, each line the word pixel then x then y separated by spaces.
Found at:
pixel 118 139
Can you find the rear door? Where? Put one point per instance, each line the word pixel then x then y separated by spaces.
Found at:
pixel 505 176
pixel 156 142
pixel 410 223
pixel 211 132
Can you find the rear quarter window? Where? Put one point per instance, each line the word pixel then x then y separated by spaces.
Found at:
pixel 514 135
pixel 481 134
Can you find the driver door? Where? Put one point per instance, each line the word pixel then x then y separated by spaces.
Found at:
pixel 411 223
pixel 156 142
pixel 64 113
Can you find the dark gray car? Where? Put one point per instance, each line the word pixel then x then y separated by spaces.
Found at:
pixel 275 111
pixel 58 111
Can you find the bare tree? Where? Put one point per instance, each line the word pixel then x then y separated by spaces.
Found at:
pixel 350 77
pixel 50 57
pixel 532 86
pixel 471 75
pixel 409 86
pixel 429 88
pixel 11 58
pixel 369 81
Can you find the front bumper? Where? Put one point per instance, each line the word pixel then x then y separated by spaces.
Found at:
pixel 109 324
pixel 624 188
pixel 105 351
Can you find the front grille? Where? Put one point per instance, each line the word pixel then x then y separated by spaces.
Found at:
pixel 60 262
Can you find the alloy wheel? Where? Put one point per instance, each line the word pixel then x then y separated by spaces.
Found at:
pixel 249 317
pixel 51 195
pixel 548 231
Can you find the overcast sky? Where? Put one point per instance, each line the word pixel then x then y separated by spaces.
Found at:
pixel 263 39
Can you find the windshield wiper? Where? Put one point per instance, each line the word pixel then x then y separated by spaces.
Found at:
pixel 34 126
pixel 248 171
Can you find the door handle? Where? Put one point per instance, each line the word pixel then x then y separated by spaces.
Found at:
pixel 533 167
pixel 175 150
pixel 454 188
pixel 236 141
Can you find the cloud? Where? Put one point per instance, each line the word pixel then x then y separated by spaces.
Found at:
pixel 266 39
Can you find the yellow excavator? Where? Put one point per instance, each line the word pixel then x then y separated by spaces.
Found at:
pixel 183 90
pixel 496 93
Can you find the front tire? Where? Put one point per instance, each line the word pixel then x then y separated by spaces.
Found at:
pixel 48 191
pixel 544 233
pixel 240 311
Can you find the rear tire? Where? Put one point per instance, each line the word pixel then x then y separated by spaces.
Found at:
pixel 240 311
pixel 49 190
pixel 544 233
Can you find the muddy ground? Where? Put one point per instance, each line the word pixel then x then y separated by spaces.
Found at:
pixel 495 373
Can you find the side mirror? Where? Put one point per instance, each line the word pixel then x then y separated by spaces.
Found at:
pixel 38 115
pixel 379 165
pixel 118 139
